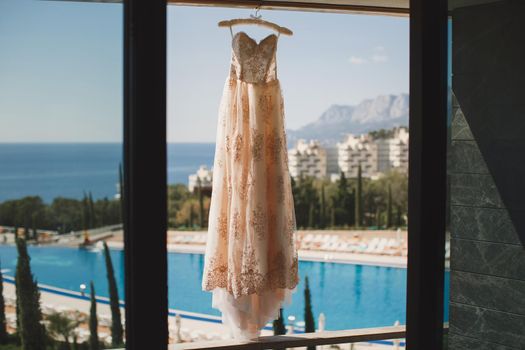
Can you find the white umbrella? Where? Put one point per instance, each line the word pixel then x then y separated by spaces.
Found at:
pixel 396 341
pixel 177 328
pixel 291 323
pixel 321 322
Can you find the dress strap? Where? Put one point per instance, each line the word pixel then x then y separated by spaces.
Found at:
pixel 231 31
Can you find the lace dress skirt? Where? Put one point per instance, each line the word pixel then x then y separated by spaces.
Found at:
pixel 251 260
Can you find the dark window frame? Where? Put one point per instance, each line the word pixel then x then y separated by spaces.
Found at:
pixel 145 178
pixel 145 166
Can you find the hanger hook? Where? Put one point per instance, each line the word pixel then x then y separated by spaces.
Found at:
pixel 257 15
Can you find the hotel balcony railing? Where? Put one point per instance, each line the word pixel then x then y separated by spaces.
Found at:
pixel 299 340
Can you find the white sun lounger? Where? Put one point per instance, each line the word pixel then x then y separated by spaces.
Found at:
pixel 308 238
pixel 372 245
pixel 380 248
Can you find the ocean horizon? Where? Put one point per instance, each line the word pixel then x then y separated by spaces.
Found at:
pixel 51 170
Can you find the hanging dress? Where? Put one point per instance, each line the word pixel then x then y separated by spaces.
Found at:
pixel 251 263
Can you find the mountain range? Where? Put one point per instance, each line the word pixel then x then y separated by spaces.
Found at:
pixel 382 112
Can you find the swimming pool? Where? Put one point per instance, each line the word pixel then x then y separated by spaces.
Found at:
pixel 350 296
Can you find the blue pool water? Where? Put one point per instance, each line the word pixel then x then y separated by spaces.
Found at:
pixel 351 296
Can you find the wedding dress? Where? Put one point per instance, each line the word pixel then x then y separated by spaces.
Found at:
pixel 251 263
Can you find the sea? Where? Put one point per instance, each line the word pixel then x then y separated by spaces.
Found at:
pixel 51 170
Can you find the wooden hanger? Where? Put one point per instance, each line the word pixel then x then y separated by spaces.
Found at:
pixel 256 20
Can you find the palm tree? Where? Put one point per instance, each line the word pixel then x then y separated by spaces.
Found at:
pixel 60 325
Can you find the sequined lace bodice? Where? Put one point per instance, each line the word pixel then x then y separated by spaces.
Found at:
pixel 253 62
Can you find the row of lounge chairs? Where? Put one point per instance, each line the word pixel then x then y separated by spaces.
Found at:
pixel 198 238
pixel 188 335
pixel 380 246
pixel 325 242
pixel 329 242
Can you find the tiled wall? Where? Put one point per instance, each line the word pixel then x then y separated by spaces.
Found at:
pixel 487 178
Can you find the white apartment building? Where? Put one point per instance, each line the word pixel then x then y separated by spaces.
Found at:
pixel 393 152
pixel 204 174
pixel 358 150
pixel 332 164
pixel 307 159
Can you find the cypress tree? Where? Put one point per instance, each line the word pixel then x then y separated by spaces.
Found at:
pixel 358 198
pixel 343 200
pixel 191 216
pixel 92 216
pixel 311 215
pixel 30 330
pixel 116 322
pixel 322 216
pixel 3 329
pixel 121 190
pixel 94 343
pixel 309 321
pixel 85 212
pixel 17 309
pixel 17 302
pixel 389 213
pixel 332 217
pixel 279 327
pixel 378 218
pixel 398 217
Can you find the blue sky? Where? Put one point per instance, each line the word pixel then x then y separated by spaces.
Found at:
pixel 61 67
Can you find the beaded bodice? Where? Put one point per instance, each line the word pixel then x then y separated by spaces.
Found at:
pixel 253 62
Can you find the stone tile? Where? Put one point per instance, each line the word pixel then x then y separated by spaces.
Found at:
pixel 474 190
pixel 484 224
pixel 489 292
pixel 497 122
pixel 465 157
pixel 477 92
pixel 504 159
pixel 488 325
pixel 460 129
pixel 459 342
pixel 503 260
pixel 482 44
pixel 455 103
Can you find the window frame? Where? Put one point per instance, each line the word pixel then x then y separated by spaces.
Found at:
pixel 145 178
pixel 145 167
